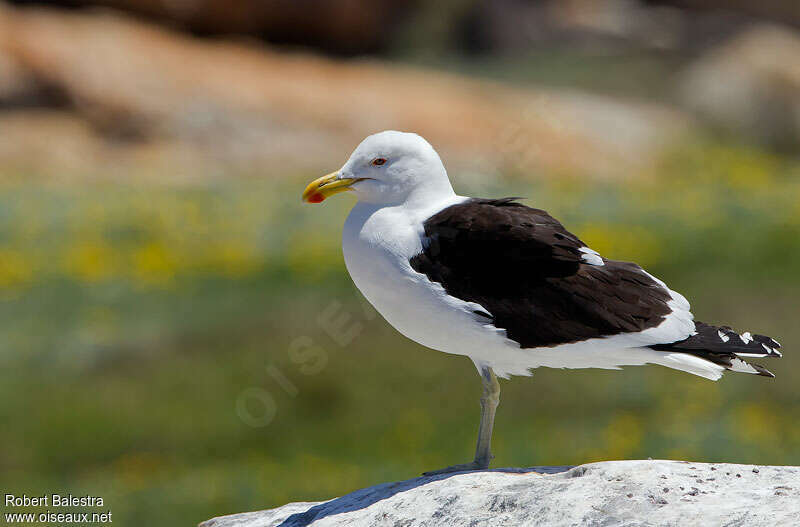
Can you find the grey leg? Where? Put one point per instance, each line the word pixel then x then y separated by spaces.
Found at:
pixel 489 401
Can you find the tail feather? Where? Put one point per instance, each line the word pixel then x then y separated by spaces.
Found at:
pixel 722 345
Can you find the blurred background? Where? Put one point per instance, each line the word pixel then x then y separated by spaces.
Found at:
pixel 178 333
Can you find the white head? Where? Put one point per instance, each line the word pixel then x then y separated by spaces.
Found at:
pixel 387 168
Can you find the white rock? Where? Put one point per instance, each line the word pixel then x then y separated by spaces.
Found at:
pixel 609 493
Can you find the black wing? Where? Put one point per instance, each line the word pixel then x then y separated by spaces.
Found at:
pixel 532 277
pixel 721 345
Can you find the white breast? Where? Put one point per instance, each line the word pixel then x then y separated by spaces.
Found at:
pixel 378 244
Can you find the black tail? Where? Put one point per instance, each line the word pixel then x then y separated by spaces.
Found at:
pixel 721 345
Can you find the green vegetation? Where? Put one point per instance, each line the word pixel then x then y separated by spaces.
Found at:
pixel 135 320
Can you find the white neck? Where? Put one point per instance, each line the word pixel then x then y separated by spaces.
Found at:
pixel 435 191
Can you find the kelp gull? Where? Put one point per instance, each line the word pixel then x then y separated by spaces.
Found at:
pixel 505 284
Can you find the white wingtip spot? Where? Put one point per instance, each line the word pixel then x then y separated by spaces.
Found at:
pixel 742 367
pixel 591 256
pixel 771 351
pixel 722 336
pixel 746 337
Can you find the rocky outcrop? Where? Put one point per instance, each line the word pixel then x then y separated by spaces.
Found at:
pixel 136 82
pixel 751 85
pixel 352 26
pixel 610 493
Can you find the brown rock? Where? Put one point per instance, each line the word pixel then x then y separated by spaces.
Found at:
pixel 348 26
pixel 235 101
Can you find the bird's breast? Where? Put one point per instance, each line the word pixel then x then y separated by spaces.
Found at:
pixel 377 248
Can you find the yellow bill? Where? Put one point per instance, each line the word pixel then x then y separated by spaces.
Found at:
pixel 326 186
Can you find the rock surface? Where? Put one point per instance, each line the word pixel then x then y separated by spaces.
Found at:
pixel 652 492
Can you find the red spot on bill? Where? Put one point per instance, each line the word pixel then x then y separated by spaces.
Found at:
pixel 316 198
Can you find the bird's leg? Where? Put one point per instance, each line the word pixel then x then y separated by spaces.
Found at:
pixel 489 401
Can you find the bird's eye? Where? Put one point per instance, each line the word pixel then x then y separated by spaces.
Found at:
pixel 378 161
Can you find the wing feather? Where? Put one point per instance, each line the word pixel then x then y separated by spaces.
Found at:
pixel 533 277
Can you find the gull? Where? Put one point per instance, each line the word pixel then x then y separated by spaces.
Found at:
pixel 505 284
